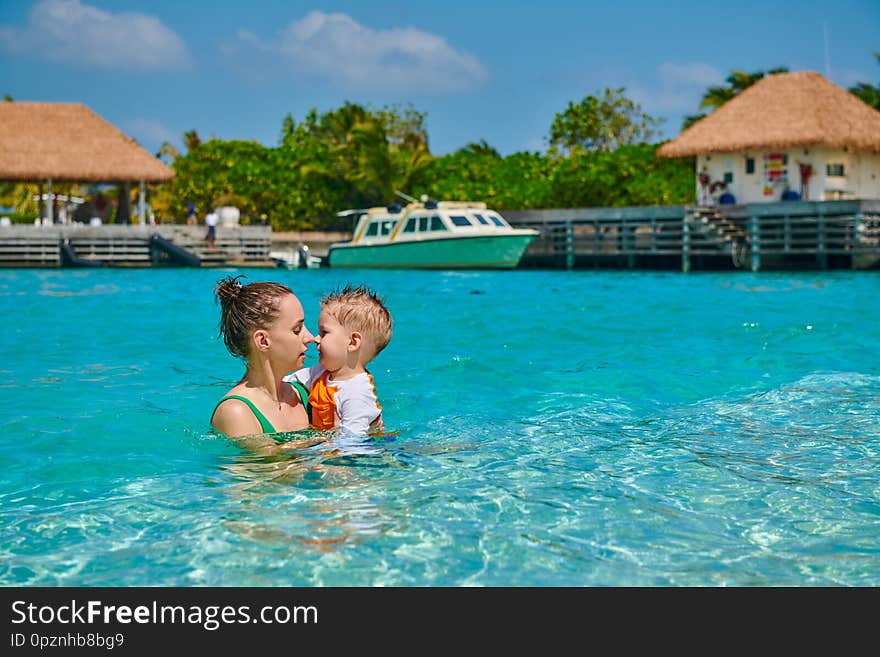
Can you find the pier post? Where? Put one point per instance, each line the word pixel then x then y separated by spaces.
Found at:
pixel 820 245
pixel 856 235
pixel 686 243
pixel 786 233
pixel 50 211
pixel 629 232
pixel 755 239
pixel 142 204
pixel 569 245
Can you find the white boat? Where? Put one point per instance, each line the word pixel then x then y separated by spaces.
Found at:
pixel 432 235
pixel 298 258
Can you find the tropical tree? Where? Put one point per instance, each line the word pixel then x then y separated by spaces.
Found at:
pixel 362 152
pixel 601 124
pixel 867 92
pixel 481 147
pixel 191 139
pixel 630 175
pixel 168 151
pixel 518 181
pixel 737 82
pixel 358 156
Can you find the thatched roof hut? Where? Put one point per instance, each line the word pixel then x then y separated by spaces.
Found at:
pixel 68 141
pixel 783 111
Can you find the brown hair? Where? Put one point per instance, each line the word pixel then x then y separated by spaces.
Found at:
pixel 246 308
pixel 361 309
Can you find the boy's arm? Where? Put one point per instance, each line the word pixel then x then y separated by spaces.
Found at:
pixel 304 376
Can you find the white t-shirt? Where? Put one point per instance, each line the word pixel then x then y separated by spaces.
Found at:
pixel 353 400
pixel 211 218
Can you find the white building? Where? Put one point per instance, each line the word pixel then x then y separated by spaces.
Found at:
pixel 790 136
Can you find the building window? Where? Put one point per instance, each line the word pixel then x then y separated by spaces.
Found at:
pixel 834 170
pixel 750 165
pixel 728 177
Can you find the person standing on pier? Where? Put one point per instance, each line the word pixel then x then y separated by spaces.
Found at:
pixel 211 222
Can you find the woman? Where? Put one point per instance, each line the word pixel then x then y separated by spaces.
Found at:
pixel 263 323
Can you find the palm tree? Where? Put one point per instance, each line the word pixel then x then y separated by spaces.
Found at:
pixel 481 147
pixel 168 150
pixel 191 140
pixel 367 153
pixel 690 119
pixel 868 92
pixel 737 82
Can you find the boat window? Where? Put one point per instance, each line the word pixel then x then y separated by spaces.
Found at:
pixel 410 225
pixel 481 219
pixel 460 220
pixel 437 223
pixel 423 224
pixel 496 220
pixel 387 226
pixel 372 229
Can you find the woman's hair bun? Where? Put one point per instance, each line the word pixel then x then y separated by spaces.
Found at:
pixel 228 288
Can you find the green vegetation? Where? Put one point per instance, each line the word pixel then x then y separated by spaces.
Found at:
pixel 868 92
pixel 601 124
pixel 358 156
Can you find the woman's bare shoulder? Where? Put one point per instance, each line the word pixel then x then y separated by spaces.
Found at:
pixel 233 418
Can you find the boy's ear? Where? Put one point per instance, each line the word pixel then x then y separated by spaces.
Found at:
pixel 355 340
pixel 261 339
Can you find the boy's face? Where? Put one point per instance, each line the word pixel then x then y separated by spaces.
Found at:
pixel 333 340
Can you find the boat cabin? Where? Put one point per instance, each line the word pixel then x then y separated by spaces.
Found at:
pixel 426 220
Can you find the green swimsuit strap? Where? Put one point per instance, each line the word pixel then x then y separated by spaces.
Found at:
pixel 304 396
pixel 265 425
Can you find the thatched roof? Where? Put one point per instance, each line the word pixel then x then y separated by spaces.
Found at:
pixel 782 111
pixel 68 141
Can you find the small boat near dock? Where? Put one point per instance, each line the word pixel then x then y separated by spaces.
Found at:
pixel 299 258
pixel 432 235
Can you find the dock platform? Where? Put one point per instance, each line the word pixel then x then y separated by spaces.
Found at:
pixel 111 245
pixel 760 236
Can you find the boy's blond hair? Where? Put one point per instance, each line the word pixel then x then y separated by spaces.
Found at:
pixel 358 308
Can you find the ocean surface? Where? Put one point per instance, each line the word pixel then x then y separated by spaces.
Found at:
pixel 551 428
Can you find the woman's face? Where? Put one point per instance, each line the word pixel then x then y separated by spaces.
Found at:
pixel 289 337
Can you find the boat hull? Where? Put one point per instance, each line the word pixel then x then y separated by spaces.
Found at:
pixel 461 252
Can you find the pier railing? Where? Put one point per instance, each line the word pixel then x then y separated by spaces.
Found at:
pixel 785 235
pixel 132 245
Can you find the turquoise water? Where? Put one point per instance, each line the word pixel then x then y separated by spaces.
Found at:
pixel 554 429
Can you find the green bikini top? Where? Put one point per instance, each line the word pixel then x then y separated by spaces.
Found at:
pixel 265 425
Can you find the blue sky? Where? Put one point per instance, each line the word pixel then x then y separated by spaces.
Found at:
pixel 489 70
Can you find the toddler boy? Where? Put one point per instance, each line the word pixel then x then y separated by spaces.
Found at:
pixel 353 327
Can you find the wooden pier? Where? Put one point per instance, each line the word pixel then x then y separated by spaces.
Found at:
pixel 78 245
pixel 765 236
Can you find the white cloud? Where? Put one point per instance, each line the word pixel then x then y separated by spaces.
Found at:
pixel 71 31
pixel 354 57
